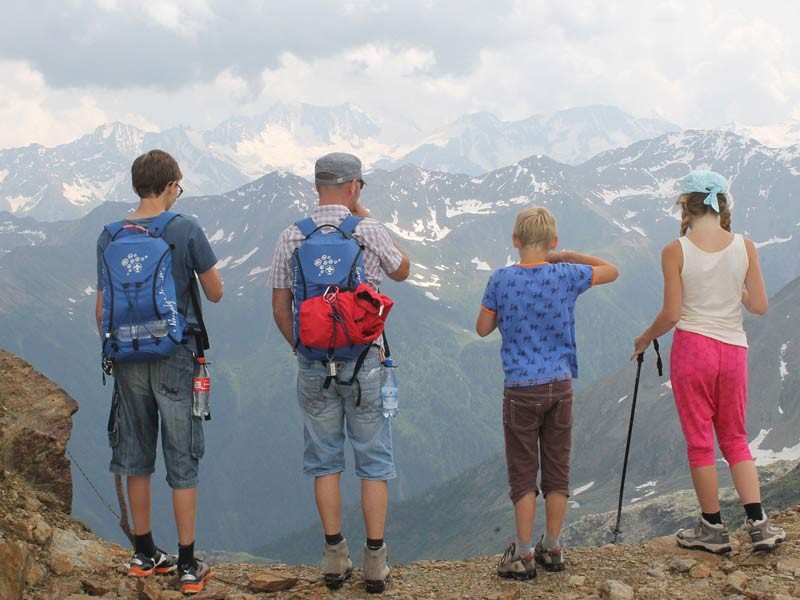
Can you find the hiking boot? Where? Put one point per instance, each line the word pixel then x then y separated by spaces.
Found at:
pixel 193 576
pixel 376 571
pixel 705 536
pixel 551 560
pixel 144 566
pixel 338 566
pixel 764 535
pixel 521 567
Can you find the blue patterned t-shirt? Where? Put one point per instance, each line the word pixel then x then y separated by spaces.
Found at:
pixel 535 308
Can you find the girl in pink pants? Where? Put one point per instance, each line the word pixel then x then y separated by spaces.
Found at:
pixel 709 273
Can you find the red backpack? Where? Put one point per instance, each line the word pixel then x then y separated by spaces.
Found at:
pixel 337 319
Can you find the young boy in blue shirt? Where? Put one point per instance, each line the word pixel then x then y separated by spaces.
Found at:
pixel 532 303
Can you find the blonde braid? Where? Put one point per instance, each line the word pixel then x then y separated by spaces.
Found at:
pixel 686 219
pixel 724 212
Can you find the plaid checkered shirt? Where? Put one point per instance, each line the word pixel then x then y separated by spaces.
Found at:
pixel 379 251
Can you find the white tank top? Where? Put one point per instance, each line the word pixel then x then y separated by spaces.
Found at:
pixel 712 291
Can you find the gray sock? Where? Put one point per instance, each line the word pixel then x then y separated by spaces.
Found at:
pixel 551 542
pixel 522 549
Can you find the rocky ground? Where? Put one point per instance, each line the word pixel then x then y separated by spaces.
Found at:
pixel 46 554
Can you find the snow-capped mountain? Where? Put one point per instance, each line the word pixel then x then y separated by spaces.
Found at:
pixel 291 136
pixel 69 180
pixel 777 135
pixel 456 228
pixel 481 142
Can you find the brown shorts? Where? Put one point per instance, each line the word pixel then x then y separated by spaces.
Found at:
pixel 533 417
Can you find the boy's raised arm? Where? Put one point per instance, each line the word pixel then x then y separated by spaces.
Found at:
pixel 604 271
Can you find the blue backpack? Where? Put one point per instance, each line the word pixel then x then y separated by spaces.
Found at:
pixel 323 260
pixel 141 320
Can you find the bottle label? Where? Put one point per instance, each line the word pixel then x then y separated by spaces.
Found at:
pixel 202 384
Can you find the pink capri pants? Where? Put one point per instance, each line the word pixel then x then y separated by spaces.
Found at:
pixel 709 381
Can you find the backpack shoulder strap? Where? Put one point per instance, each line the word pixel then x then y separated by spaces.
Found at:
pixel 349 224
pixel 306 226
pixel 160 223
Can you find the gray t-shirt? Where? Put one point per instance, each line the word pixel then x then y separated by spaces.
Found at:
pixel 192 254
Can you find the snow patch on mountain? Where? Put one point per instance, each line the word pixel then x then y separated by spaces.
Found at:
pixel 86 193
pixel 224 262
pixel 783 370
pixel 766 456
pixel 583 488
pixel 20 203
pixel 480 265
pixel 647 484
pixel 422 281
pixel 218 236
pixel 423 231
pixel 773 240
pixel 467 207
pixel 244 258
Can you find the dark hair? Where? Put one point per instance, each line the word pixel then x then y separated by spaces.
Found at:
pixel 153 171
pixel 693 205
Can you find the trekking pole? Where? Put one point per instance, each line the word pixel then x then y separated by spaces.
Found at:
pixel 660 367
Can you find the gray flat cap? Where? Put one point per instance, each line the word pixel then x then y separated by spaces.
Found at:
pixel 337 167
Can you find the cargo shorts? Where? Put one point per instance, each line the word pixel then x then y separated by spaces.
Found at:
pixel 328 413
pixel 144 394
pixel 537 427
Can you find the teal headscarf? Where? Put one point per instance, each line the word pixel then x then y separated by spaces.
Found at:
pixel 705 182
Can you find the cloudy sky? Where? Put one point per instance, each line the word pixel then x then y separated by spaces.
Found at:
pixel 67 66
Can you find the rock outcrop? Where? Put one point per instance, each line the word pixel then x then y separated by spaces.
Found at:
pixel 35 425
pixel 46 554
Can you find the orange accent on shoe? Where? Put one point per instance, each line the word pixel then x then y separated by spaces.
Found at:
pixel 194 588
pixel 137 572
pixel 164 570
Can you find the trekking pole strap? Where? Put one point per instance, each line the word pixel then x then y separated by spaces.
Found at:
pixel 659 363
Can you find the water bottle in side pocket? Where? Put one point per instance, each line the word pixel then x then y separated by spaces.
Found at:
pixel 201 390
pixel 388 389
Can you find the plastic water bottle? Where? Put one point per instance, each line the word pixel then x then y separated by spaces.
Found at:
pixel 388 389
pixel 139 331
pixel 201 390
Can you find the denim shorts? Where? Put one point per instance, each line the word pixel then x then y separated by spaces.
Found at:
pixel 328 412
pixel 143 393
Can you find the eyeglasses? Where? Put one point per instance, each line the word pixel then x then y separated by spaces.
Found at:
pixel 180 190
pixel 362 183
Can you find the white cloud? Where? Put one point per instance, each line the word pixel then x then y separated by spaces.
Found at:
pixel 182 17
pixel 698 64
pixel 31 112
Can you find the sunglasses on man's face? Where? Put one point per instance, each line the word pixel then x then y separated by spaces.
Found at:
pixel 180 190
pixel 361 183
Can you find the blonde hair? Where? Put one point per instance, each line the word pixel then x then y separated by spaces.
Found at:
pixel 535 226
pixel 692 205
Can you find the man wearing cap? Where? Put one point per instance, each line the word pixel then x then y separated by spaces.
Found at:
pixel 339 184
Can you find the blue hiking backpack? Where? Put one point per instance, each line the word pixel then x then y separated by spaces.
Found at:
pixel 323 260
pixel 141 319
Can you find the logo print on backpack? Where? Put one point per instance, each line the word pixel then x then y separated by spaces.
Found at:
pixel 326 264
pixel 133 263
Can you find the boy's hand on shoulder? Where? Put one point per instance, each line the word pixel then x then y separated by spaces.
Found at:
pixel 558 257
